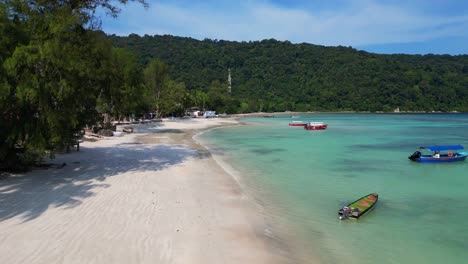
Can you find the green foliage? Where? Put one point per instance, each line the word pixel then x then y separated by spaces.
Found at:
pixel 156 77
pixel 173 96
pixel 217 96
pixel 52 69
pixel 198 99
pixel 271 75
pixel 123 92
pixel 168 97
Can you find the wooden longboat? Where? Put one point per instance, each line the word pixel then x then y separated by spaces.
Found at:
pixel 359 207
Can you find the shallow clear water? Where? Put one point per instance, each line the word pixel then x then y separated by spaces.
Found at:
pixel 303 177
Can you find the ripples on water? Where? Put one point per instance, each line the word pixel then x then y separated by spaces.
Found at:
pixel 303 177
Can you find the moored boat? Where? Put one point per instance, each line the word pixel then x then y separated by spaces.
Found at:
pixel 297 123
pixel 315 126
pixel 440 154
pixel 359 207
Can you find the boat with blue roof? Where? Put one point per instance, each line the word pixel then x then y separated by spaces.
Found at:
pixel 439 154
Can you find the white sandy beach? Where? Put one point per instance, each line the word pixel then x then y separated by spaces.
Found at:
pixel 140 198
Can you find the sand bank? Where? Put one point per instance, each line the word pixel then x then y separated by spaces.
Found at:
pixel 155 196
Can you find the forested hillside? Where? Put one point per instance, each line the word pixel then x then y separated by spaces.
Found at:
pixel 272 75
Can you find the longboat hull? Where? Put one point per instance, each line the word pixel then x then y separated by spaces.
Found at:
pixel 316 127
pixel 297 124
pixel 451 154
pixel 365 204
pixel 442 159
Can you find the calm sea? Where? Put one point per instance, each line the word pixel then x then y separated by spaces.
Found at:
pixel 301 178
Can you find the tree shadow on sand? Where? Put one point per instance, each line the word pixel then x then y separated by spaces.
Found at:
pixel 29 196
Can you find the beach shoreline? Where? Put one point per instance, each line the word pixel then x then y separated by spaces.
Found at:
pixel 283 235
pixel 153 196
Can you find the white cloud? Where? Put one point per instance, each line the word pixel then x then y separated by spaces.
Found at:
pixel 361 23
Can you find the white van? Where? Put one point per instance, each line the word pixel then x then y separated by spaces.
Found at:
pixel 208 114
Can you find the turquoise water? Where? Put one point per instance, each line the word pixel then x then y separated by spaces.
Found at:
pixel 303 177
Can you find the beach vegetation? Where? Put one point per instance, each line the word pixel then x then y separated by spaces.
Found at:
pixel 122 90
pixel 54 68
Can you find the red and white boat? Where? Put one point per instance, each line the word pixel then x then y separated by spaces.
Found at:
pixel 297 123
pixel 315 126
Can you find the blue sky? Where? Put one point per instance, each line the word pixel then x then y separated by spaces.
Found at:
pixel 382 26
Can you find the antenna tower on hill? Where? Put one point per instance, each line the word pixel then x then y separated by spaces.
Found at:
pixel 229 81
